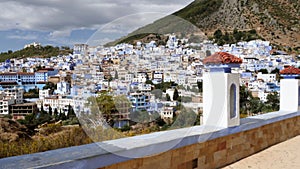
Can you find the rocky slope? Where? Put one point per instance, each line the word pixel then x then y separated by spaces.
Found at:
pixel 11 131
pixel 275 20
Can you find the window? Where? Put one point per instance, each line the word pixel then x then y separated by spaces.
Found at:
pixel 233 112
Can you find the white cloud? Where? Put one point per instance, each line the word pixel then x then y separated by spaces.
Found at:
pixel 53 21
pixel 62 33
pixel 23 37
pixel 60 17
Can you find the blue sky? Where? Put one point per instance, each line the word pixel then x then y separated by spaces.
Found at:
pixel 64 23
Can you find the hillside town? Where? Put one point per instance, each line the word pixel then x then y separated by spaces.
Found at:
pixel 154 79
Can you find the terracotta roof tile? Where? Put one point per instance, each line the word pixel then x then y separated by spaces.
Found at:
pixel 25 73
pixel 290 71
pixel 222 58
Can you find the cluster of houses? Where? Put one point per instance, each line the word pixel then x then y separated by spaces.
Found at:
pixel 132 71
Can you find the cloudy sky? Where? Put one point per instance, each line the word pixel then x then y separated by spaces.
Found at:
pixel 65 22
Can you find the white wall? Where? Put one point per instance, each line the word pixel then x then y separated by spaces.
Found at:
pixel 216 99
pixel 289 88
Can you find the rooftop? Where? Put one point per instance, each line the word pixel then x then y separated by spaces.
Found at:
pixel 222 58
pixel 24 104
pixel 290 71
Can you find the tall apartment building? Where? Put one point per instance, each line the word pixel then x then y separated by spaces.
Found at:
pixel 140 101
pixel 8 97
pixel 15 93
pixel 5 102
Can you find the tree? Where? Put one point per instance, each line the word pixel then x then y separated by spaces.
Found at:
pixel 235 31
pixel 164 86
pixel 149 82
pixel 197 122
pixel 71 113
pixel 200 86
pixel 276 70
pixel 245 99
pixel 106 107
pixel 43 118
pixel 218 34
pixel 62 116
pixel 50 110
pixel 176 95
pixel 263 71
pixel 237 35
pixel 273 101
pixel 168 98
pixel 252 31
pixel 160 121
pixel 56 117
pixel 42 109
pixel 256 106
pixel 51 86
pixel 226 37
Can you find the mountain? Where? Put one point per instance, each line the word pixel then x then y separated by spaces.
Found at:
pixel 277 21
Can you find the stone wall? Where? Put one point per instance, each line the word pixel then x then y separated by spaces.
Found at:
pixel 194 147
pixel 218 152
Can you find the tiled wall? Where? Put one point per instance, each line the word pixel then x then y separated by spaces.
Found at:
pixel 220 151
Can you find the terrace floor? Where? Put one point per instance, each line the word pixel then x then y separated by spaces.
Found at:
pixel 282 155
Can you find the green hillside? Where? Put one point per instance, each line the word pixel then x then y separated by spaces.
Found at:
pixel 40 51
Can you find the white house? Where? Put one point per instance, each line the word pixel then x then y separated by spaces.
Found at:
pixel 266 77
pixel 63 88
pixel 44 93
pixel 167 113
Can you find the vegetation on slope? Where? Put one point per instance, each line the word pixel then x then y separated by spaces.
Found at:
pixel 68 137
pixel 143 37
pixel 199 9
pixel 40 51
pixel 234 37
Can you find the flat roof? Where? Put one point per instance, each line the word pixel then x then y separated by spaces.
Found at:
pixel 24 104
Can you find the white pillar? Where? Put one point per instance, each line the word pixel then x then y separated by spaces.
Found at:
pixel 289 95
pixel 221 106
